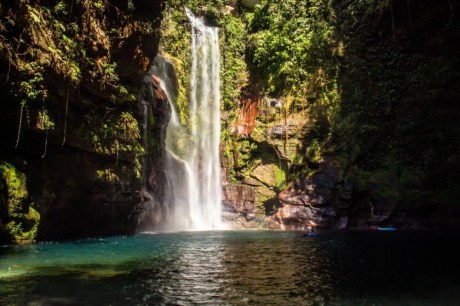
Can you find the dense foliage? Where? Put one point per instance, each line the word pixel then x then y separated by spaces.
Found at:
pixel 71 42
pixel 292 46
pixel 70 75
pixel 398 123
pixel 18 218
pixel 380 96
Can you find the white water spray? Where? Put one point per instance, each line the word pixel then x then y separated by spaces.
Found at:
pixel 193 162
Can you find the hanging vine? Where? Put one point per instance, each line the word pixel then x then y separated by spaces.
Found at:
pixel 46 144
pixel 46 123
pixel 65 115
pixel 23 103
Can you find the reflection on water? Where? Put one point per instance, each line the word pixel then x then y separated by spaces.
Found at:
pixel 235 268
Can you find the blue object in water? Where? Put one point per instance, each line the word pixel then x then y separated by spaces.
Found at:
pixel 387 228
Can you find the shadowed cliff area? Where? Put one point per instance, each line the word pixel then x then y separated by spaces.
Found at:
pixel 71 78
pixel 397 127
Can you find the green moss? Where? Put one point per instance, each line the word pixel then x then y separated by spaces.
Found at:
pixel 117 134
pixel 280 178
pixel 107 176
pixel 175 46
pixel 20 220
pixel 234 70
pixel 16 191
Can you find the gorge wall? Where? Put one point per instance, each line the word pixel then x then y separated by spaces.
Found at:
pixel 71 77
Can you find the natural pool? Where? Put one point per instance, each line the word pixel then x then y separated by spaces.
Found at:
pixel 236 268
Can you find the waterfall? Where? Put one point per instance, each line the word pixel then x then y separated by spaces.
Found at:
pixel 193 162
pixel 206 189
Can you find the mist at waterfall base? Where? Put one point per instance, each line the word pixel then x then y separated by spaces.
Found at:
pixel 236 268
pixel 193 193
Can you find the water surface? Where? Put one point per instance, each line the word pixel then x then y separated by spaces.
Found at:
pixel 236 268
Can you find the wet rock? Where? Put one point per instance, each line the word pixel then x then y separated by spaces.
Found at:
pixel 264 193
pixel 311 197
pixel 343 222
pixel 291 217
pixel 88 182
pixel 310 190
pixel 157 111
pixel 239 204
pixel 239 197
pixel 292 197
pixel 346 191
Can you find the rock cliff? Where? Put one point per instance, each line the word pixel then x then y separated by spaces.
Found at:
pixel 367 136
pixel 71 119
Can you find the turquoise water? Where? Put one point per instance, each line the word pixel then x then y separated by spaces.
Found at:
pixel 236 268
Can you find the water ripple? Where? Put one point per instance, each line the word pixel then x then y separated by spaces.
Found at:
pixel 233 268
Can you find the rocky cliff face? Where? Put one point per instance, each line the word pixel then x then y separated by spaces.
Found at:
pixel 239 205
pixel 379 146
pixel 155 187
pixel 71 75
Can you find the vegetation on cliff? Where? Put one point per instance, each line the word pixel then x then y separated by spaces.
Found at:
pixel 56 54
pixel 70 74
pixel 365 85
pixel 18 219
pixel 381 77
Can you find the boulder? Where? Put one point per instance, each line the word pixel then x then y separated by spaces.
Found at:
pixel 266 174
pixel 252 182
pixel 310 198
pixel 291 217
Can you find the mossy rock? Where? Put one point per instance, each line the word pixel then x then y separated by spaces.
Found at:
pixel 269 179
pixel 13 185
pixel 269 175
pixel 264 194
pixel 18 219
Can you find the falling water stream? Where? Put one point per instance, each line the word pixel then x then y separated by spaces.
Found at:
pixel 193 163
